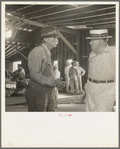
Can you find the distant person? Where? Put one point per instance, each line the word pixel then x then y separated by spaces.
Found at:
pixel 100 87
pixel 67 79
pixel 81 72
pixel 56 74
pixel 73 79
pixel 19 74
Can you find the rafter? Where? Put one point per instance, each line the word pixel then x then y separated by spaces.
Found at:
pixel 14 52
pixel 104 26
pixel 7 51
pixel 21 9
pixel 7 47
pixel 78 14
pixel 11 43
pixel 71 9
pixel 80 18
pixel 86 21
pixel 67 43
pixel 14 48
pixel 23 20
pixel 11 51
pixel 40 10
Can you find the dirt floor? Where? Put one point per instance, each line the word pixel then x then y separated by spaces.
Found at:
pixel 66 103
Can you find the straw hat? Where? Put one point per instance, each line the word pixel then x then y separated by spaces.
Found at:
pixel 98 34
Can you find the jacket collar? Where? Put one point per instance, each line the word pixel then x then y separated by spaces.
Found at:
pixel 47 51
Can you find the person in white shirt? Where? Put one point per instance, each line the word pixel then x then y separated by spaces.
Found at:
pixel 67 79
pixel 100 86
pixel 56 72
pixel 81 72
pixel 73 79
pixel 56 75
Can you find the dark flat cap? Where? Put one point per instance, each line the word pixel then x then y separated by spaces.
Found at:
pixel 48 32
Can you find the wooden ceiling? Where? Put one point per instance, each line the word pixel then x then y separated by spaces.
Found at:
pixel 66 18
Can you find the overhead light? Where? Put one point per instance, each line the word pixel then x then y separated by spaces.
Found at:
pixel 25 29
pixel 77 27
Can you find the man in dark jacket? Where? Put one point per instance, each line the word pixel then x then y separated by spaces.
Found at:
pixel 39 93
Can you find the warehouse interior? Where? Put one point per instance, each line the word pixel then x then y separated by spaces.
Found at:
pixel 23 24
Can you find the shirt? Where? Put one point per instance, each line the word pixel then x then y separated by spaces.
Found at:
pixel 23 71
pixel 102 66
pixel 73 71
pixel 67 70
pixel 80 70
pixel 56 74
pixel 40 66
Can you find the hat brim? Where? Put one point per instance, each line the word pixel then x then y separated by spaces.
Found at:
pixel 50 36
pixel 98 37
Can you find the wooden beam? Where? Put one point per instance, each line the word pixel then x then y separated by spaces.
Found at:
pixel 21 19
pixel 103 23
pixel 87 21
pixel 40 10
pixel 67 43
pixel 62 22
pixel 61 11
pixel 22 54
pixel 11 50
pixel 104 26
pixel 8 47
pixel 14 34
pixel 7 51
pixel 65 29
pixel 78 47
pixel 90 9
pixel 21 9
pixel 10 53
pixel 15 44
pixel 13 53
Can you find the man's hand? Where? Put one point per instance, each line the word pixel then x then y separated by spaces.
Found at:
pixel 59 83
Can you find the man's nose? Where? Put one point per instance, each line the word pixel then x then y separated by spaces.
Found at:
pixel 90 42
pixel 56 40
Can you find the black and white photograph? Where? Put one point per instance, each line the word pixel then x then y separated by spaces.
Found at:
pixel 60 67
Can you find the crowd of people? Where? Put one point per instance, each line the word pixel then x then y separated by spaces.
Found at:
pixel 73 77
pixel 42 90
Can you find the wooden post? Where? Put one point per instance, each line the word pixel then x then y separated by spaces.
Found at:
pixel 78 47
